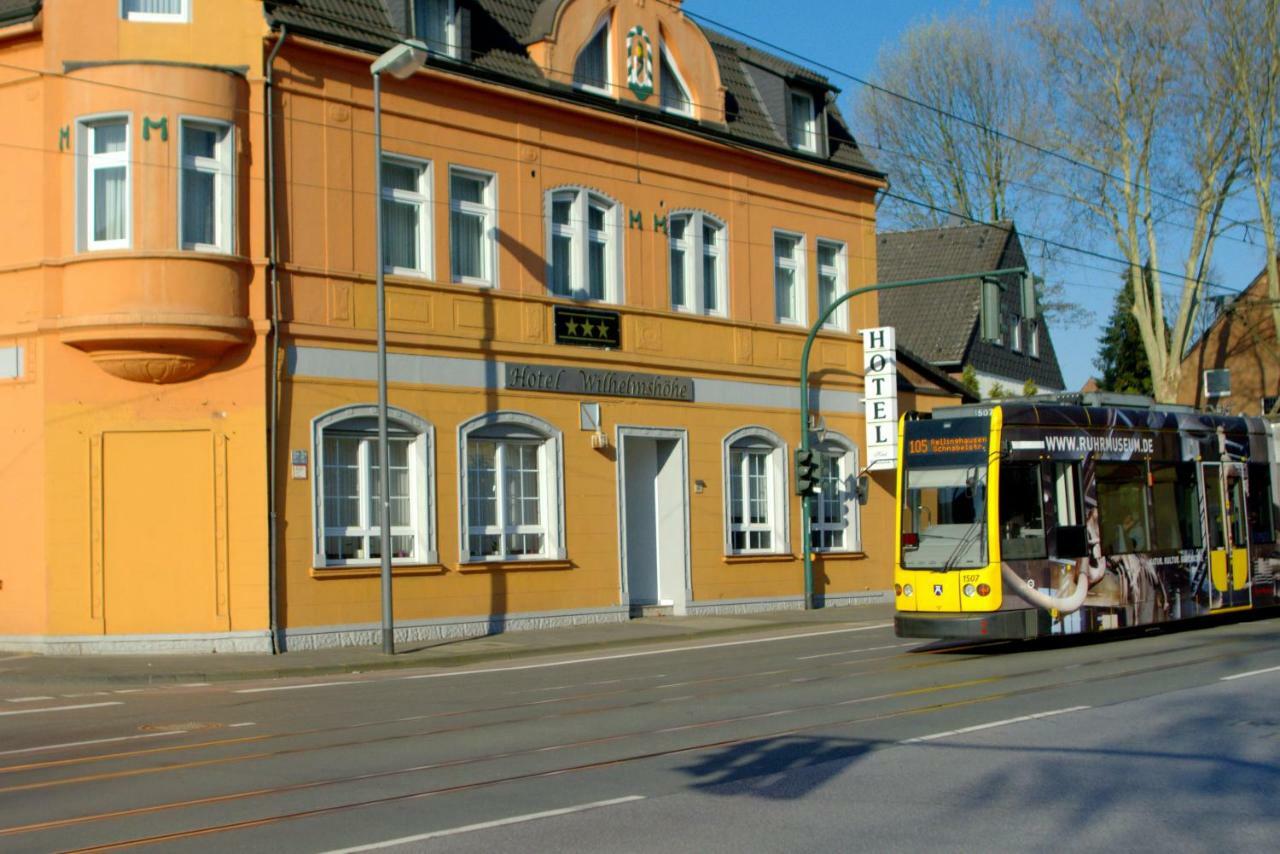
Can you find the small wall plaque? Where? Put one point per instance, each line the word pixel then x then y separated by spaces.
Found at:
pixel 588 327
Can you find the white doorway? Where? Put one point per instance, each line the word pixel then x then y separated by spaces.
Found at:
pixel 653 518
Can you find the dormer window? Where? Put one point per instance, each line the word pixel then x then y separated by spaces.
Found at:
pixel 802 127
pixel 672 91
pixel 591 69
pixel 156 11
pixel 435 22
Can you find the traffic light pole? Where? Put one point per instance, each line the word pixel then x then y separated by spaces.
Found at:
pixel 806 499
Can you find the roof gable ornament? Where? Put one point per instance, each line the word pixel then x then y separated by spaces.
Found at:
pixel 639 62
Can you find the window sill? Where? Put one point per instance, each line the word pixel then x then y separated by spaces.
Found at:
pixel 375 571
pixel 836 554
pixel 761 557
pixel 515 565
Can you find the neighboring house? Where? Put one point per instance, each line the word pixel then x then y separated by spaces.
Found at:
pixel 188 315
pixel 940 322
pixel 1242 339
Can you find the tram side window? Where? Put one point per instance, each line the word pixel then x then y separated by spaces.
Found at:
pixel 1122 508
pixel 1261 521
pixel 1175 507
pixel 1066 488
pixel 1021 512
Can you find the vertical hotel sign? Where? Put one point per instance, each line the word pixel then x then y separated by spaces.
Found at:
pixel 880 370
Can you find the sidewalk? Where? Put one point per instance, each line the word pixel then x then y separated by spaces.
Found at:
pixel 123 670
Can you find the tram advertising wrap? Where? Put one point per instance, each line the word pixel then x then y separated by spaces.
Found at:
pixel 1030 518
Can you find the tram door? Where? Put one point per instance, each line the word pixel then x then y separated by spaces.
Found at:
pixel 1223 494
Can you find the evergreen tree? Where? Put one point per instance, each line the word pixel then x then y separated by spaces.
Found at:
pixel 1029 388
pixel 1121 357
pixel 969 379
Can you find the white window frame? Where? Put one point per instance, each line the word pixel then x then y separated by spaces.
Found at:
pixel 1033 338
pixel 1015 333
pixel 422 199
pixel 839 320
pixel 422 480
pixel 695 250
pixel 222 166
pixel 803 138
pixel 607 90
pixel 756 438
pixel 845 453
pixel 452 45
pixel 488 210
pixel 507 426
pixel 88 163
pixel 180 17
pixel 665 55
pixel 580 238
pixel 796 263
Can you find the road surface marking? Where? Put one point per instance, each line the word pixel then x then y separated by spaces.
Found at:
pixel 1250 673
pixel 87 743
pixel 60 708
pixel 544 664
pixel 27 699
pixel 855 651
pixel 295 687
pixel 486 825
pixel 993 724
pixel 246 723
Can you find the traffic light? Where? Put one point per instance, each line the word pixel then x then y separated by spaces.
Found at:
pixel 806 471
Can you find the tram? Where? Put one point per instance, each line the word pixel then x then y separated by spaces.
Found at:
pixel 1060 515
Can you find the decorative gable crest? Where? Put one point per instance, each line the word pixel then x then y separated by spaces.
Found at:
pixel 639 62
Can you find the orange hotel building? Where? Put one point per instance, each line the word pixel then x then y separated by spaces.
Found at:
pixel 606 232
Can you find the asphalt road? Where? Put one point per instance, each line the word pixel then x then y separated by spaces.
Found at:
pixel 838 738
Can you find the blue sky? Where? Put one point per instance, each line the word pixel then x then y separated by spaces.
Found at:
pixel 848 36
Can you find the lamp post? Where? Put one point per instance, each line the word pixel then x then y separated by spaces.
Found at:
pixel 400 61
pixel 806 498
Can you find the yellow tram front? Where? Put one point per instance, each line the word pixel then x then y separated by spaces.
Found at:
pixel 947 577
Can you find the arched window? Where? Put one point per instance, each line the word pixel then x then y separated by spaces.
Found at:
pixel 672 91
pixel 698 248
pixel 591 70
pixel 584 252
pixel 512 497
pixel 833 512
pixel 755 489
pixel 347 488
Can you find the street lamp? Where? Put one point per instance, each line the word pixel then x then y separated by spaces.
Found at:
pixel 400 62
pixel 806 497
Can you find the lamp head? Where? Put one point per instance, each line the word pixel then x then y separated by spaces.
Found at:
pixel 402 60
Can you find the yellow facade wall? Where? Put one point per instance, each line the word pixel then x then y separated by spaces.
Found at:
pixel 106 335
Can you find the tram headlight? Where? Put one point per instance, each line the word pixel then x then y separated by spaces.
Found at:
pixel 897 589
pixel 984 589
pixel 907 590
pixel 969 590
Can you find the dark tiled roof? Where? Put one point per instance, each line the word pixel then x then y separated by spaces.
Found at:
pixel 16 11
pixel 936 321
pixel 501 28
pixel 940 322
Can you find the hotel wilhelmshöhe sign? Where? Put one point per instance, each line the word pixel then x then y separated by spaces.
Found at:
pixel 593 381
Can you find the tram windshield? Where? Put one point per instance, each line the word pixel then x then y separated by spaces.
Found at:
pixel 944 518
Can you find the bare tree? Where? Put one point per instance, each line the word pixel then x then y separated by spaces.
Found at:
pixel 1132 108
pixel 950 136
pixel 1245 65
pixel 944 136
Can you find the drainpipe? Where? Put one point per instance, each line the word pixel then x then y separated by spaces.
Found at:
pixel 273 390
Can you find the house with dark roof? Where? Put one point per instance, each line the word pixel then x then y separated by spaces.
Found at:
pixel 1241 339
pixel 940 322
pixel 598 234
